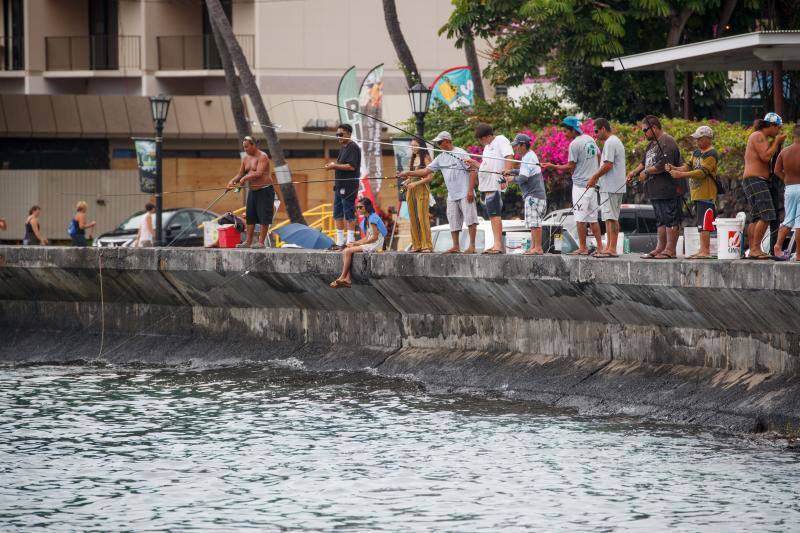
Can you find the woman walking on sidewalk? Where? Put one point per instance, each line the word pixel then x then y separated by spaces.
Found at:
pixel 418 195
pixel 373 232
pixel 78 225
pixel 33 233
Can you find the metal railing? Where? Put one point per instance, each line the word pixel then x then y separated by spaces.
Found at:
pixel 12 55
pixel 93 52
pixel 197 52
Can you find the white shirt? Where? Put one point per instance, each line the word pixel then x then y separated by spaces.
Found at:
pixel 614 180
pixel 144 232
pixel 455 172
pixel 492 164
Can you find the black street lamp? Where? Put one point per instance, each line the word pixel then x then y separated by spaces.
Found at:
pixel 420 97
pixel 159 107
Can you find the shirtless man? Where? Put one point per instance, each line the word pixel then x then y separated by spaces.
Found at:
pixel 787 168
pixel 261 196
pixel 755 184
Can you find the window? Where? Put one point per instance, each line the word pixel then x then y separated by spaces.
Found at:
pixel 627 222
pixel 12 41
pixel 647 222
pixel 181 220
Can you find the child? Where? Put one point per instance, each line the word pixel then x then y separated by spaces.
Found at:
pixel 373 232
pixel 703 182
pixel 529 178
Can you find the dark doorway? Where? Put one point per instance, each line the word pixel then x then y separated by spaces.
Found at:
pixel 211 58
pixel 13 36
pixel 103 38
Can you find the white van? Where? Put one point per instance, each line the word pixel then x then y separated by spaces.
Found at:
pixel 514 234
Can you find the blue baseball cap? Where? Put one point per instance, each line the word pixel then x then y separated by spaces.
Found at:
pixel 773 118
pixel 521 138
pixel 572 122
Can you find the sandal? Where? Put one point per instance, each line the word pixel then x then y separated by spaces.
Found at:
pixel 600 255
pixel 492 251
pixel 576 252
pixel 451 251
pixel 664 256
pixel 340 284
pixel 648 255
pixel 425 251
pixel 533 253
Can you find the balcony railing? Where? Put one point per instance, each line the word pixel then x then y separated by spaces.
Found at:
pixel 197 52
pixel 12 55
pixel 93 52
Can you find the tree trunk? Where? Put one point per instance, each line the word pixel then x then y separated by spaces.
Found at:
pixel 677 23
pixel 399 42
pixel 232 81
pixel 472 62
pixel 282 173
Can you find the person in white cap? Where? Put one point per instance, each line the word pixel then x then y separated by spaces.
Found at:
pixel 702 173
pixel 755 180
pixel 460 182
pixel 531 183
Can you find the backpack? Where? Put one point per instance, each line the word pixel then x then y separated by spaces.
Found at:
pixel 72 229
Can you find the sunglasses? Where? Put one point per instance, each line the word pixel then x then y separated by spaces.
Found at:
pixel 340 134
pixel 645 130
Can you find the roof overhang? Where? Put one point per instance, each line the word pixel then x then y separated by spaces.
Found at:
pixel 749 51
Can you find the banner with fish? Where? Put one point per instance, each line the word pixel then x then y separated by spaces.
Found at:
pixel 454 88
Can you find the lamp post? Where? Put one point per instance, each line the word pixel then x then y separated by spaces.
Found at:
pixel 159 107
pixel 420 97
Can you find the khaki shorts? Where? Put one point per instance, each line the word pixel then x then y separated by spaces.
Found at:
pixel 584 204
pixel 461 213
pixel 610 203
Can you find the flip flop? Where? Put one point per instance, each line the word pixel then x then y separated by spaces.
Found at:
pixel 648 255
pixel 425 251
pixel 466 252
pixel 601 255
pixel 533 253
pixel 492 252
pixel 451 252
pixel 340 284
pixel 764 257
pixel 702 257
pixel 578 253
pixel 664 256
pixel 778 258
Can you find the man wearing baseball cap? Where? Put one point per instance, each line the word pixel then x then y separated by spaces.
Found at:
pixel 702 173
pixel 583 164
pixel 460 182
pixel 755 180
pixel 534 197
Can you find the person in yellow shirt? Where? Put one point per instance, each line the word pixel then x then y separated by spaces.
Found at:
pixel 702 173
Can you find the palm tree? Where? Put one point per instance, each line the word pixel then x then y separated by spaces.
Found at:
pixel 282 172
pixel 472 61
pixel 399 42
pixel 232 81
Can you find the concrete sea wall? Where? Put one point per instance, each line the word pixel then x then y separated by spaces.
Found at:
pixel 707 342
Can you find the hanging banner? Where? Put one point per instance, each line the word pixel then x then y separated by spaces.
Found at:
pixel 371 103
pixel 347 98
pixel 402 161
pixel 146 159
pixel 454 88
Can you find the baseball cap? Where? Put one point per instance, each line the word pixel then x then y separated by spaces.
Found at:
pixel 703 131
pixel 572 122
pixel 773 118
pixel 443 136
pixel 521 138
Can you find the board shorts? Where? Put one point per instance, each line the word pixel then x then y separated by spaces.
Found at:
pixel 701 207
pixel 791 206
pixel 492 203
pixel 610 205
pixel 461 213
pixel 535 209
pixel 344 204
pixel 668 212
pixel 260 206
pixel 584 204
pixel 759 197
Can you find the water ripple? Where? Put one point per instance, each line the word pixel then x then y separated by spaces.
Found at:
pixel 274 448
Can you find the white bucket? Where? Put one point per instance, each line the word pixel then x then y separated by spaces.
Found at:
pixel 691 240
pixel 729 237
pixel 679 248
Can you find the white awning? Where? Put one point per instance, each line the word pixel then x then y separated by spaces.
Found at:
pixel 750 51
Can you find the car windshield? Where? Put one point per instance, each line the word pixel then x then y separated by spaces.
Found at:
pixel 132 224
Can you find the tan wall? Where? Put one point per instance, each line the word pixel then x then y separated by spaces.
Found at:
pixel 57 192
pixel 52 18
pixel 168 17
pixel 244 18
pixel 130 18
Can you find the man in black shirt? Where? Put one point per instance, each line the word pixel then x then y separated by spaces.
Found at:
pixel 345 187
pixel 663 191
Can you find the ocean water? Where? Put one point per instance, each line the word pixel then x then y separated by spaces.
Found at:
pixel 276 447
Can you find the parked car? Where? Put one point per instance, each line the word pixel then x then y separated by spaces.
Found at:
pixel 514 231
pixel 637 222
pixel 179 225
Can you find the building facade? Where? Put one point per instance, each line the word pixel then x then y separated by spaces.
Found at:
pixel 75 76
